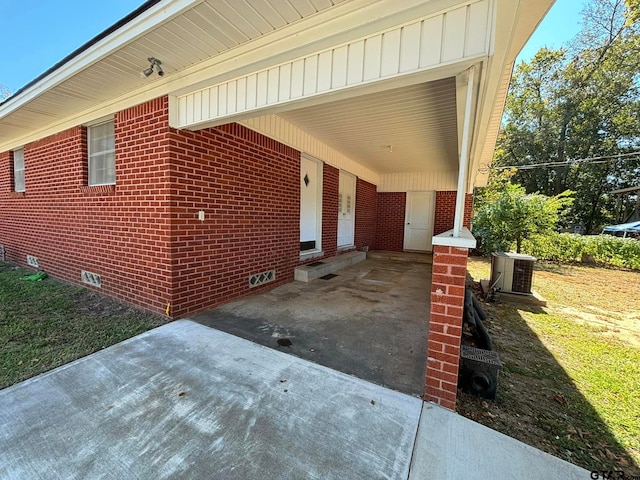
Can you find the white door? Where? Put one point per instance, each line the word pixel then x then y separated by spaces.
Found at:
pixel 346 209
pixel 310 204
pixel 418 229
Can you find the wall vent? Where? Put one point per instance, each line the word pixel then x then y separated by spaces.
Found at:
pixel 89 278
pixel 32 261
pixel 258 279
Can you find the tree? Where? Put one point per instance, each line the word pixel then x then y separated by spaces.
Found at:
pixel 506 214
pixel 579 102
pixel 633 6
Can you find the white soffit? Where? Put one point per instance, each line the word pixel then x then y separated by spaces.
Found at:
pixel 408 129
pixel 452 36
pixel 276 127
pixel 181 33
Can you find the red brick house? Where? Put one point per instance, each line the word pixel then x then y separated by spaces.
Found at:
pixel 260 136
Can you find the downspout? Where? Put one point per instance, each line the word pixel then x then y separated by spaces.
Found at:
pixel 464 157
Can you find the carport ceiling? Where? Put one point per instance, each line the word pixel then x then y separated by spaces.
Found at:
pixel 419 122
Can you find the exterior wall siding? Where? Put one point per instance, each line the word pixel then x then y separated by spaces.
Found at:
pixel 143 235
pixel 248 186
pixel 330 185
pixel 120 232
pixel 366 214
pixel 390 227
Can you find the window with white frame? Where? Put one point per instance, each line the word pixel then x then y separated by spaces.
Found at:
pixel 102 154
pixel 18 170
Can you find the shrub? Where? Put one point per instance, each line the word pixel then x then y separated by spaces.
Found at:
pixel 567 247
pixel 505 214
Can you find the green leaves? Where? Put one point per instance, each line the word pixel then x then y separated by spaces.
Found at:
pixel 506 214
pixel 578 102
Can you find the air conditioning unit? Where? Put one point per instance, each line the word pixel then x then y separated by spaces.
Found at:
pixel 512 272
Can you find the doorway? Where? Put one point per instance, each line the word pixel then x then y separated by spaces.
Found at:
pixel 310 205
pixel 419 217
pixel 346 209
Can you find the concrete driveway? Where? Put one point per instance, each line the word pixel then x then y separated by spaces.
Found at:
pixel 187 401
pixel 371 320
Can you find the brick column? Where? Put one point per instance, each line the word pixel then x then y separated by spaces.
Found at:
pixel 445 325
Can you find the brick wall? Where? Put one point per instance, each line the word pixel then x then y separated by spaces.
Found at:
pixel 330 186
pixel 143 235
pixel 366 214
pixel 248 186
pixel 390 225
pixel 445 325
pixel 119 232
pixel 446 211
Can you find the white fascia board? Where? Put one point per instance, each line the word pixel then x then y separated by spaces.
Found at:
pixel 138 26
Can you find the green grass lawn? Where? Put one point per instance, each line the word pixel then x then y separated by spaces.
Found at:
pixel 605 370
pixel 48 323
pixel 571 369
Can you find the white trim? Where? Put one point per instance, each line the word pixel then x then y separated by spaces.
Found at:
pixel 464 239
pixel 396 52
pixel 464 156
pixel 91 155
pixel 98 121
pixel 15 187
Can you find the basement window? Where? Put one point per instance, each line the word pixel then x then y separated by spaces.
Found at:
pixel 18 170
pixel 102 154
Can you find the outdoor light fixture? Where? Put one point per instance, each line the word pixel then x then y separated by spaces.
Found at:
pixel 154 62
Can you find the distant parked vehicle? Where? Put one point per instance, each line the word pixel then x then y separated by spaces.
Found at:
pixel 624 230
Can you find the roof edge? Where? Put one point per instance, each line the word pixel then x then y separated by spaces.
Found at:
pixel 84 47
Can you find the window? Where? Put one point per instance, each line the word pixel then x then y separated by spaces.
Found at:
pixel 18 170
pixel 102 154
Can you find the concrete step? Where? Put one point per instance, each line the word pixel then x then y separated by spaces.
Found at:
pixel 413 257
pixel 306 273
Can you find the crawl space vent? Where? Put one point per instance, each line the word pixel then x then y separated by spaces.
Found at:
pixel 258 279
pixel 32 261
pixel 89 278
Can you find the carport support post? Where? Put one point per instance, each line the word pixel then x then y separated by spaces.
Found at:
pixel 450 255
pixel 445 324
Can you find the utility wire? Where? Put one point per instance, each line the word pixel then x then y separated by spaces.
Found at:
pixel 568 163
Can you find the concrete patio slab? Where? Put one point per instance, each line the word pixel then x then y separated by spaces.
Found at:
pixel 371 320
pixel 187 401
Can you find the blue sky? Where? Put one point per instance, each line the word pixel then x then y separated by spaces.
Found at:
pixel 36 35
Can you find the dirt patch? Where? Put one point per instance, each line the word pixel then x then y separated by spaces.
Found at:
pixel 539 401
pixel 622 327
